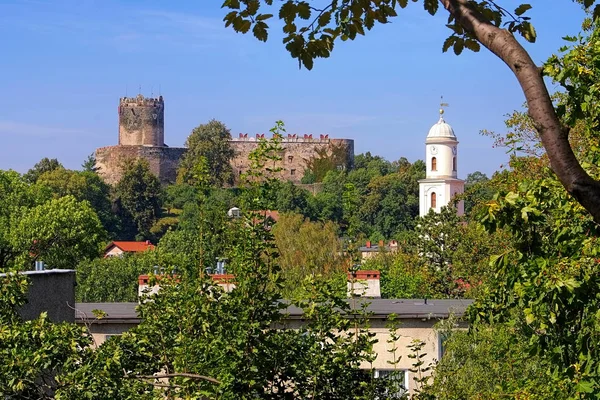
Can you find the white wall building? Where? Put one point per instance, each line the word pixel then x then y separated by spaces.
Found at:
pixel 441 181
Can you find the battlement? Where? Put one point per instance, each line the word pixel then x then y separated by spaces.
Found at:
pixel 140 100
pixel 290 138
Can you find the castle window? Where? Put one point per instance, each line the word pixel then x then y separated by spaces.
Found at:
pixel 433 164
pixel 292 172
pixel 290 158
pixel 454 164
pixel 433 200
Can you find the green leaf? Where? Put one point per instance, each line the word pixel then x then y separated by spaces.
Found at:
pixel 263 17
pixel 511 198
pixel 325 18
pixel 260 31
pixel 448 42
pixel 522 9
pixel 472 45
pixel 585 387
pixel 431 6
pixel 304 10
pixel 458 46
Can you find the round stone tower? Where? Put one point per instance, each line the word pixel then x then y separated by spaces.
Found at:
pixel 141 121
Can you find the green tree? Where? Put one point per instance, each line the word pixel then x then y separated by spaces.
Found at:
pixel 37 355
pixel 307 249
pixel 138 200
pixel 212 142
pixel 477 190
pixel 491 362
pixel 115 279
pixel 334 158
pixel 61 232
pixel 44 165
pixel 292 198
pixel 89 165
pixel 214 344
pixel 16 196
pixel 86 186
pixel 311 29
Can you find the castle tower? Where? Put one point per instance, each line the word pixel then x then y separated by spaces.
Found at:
pixel 441 183
pixel 141 121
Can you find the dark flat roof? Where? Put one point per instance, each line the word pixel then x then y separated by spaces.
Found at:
pixel 380 309
pixel 115 312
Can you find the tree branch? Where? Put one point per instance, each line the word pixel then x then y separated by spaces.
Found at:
pixel 174 375
pixel 541 110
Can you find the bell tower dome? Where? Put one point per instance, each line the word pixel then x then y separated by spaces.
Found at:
pixel 441 181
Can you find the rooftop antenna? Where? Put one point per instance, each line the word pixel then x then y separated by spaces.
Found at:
pixel 140 92
pixel 152 91
pixel 442 105
pixel 159 92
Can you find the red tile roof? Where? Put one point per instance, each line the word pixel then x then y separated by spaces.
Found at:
pixel 130 247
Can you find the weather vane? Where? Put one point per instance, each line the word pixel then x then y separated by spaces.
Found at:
pixel 442 105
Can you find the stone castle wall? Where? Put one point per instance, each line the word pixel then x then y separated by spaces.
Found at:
pixel 298 151
pixel 141 135
pixel 163 161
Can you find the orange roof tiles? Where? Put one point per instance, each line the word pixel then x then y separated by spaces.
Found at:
pixel 132 247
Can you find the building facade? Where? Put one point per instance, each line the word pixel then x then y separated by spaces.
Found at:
pixel 441 181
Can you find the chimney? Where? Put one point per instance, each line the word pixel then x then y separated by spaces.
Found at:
pixel 144 288
pixel 226 281
pixel 368 244
pixel 147 242
pixel 364 284
pixel 381 245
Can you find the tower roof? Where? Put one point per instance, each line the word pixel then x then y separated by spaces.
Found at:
pixel 441 129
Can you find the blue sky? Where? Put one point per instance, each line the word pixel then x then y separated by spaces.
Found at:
pixel 65 64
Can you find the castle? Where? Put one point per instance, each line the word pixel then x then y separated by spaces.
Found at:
pixel 142 135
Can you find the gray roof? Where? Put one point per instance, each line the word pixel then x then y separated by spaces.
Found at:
pixel 45 272
pixel 379 309
pixel 115 312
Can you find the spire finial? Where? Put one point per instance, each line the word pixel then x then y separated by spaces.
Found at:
pixel 442 105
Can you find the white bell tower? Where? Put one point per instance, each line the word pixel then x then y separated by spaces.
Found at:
pixel 441 181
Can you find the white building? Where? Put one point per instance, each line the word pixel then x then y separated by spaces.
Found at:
pixel 441 181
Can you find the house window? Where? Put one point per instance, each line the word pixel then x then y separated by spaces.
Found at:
pixel 397 382
pixel 454 164
pixel 290 159
pixel 433 200
pixel 292 172
pixel 433 164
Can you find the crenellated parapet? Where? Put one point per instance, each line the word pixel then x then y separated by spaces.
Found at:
pixel 289 138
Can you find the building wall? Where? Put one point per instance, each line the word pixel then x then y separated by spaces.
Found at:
pixel 52 291
pixel 445 190
pixel 102 331
pixel 409 330
pixel 294 159
pixel 163 161
pixel 115 251
pixel 141 121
